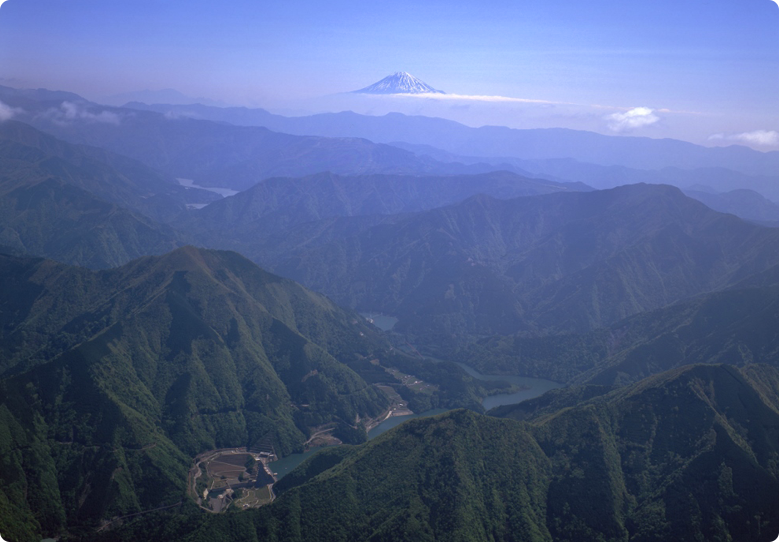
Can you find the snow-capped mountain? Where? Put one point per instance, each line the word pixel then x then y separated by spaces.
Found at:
pixel 400 83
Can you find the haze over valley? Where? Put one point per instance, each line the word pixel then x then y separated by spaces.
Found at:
pixel 261 283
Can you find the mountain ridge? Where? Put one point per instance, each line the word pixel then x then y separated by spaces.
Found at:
pixel 686 455
pixel 131 372
pixel 642 153
pixel 531 264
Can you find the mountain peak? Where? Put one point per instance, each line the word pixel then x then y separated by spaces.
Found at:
pixel 400 83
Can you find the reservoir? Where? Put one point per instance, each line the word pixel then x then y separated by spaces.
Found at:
pixel 224 192
pixel 381 321
pixel 534 388
pixel 283 466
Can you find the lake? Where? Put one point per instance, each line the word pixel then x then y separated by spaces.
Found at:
pixel 535 387
pixel 224 192
pixel 381 321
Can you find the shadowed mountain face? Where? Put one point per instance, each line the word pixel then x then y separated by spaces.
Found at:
pixel 688 455
pixel 737 326
pixel 276 205
pixel 58 220
pixel 28 155
pixel 115 379
pixel 743 203
pixel 82 205
pixel 558 262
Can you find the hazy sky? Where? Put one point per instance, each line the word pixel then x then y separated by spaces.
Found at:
pixel 683 68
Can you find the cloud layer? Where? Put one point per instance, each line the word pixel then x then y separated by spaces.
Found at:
pixel 635 118
pixel 761 138
pixel 69 112
pixel 480 98
pixel 7 112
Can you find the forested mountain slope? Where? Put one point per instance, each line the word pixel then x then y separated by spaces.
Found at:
pixel 552 263
pixel 83 205
pixel 737 326
pixel 114 380
pixel 687 455
pixel 275 205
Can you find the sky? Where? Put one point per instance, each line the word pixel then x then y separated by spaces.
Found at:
pixel 701 70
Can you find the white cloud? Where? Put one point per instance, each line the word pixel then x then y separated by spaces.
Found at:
pixel 479 98
pixel 68 112
pixel 638 117
pixel 760 138
pixel 631 118
pixel 7 112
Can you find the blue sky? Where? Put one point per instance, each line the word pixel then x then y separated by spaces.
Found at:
pixel 701 67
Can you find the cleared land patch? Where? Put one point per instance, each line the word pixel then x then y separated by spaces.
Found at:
pixel 222 477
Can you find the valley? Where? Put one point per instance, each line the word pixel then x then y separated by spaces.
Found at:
pixel 223 323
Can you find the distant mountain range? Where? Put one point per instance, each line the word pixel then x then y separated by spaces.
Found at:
pixel 28 154
pixel 598 161
pixel 167 95
pixel 213 153
pixel 399 83
pixel 498 142
pixel 741 202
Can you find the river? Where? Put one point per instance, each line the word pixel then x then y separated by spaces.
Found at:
pixel 534 388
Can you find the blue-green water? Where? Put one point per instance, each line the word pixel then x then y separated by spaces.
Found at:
pixel 381 321
pixel 284 466
pixel 535 387
pixel 395 421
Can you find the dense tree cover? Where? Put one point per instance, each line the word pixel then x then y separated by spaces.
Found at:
pixel 83 205
pixel 63 222
pixel 29 156
pixel 687 455
pixel 111 381
pixel 548 264
pixel 737 326
pixel 114 380
pixel 274 205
